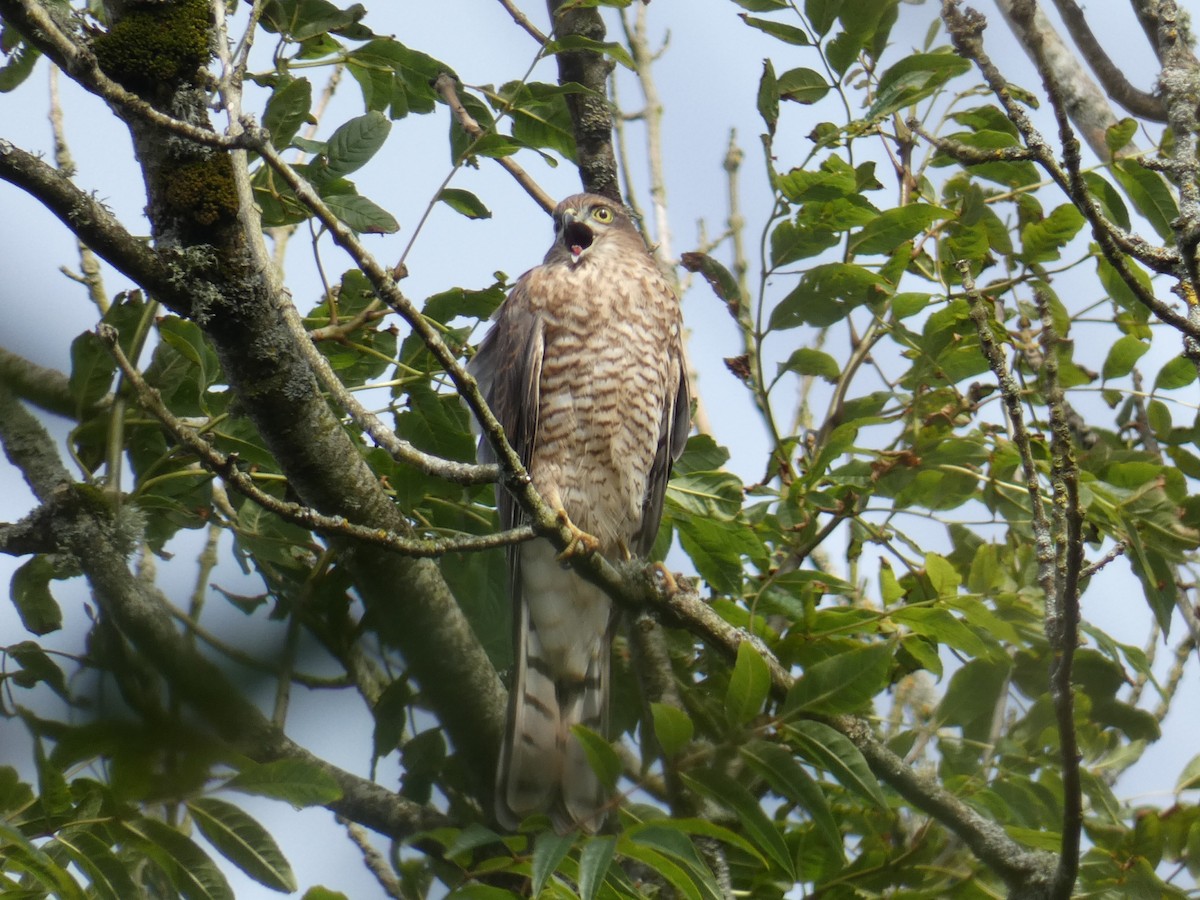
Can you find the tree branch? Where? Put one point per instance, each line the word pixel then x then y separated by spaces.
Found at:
pixel 88 530
pixel 445 85
pixel 591 114
pixel 306 517
pixel 1112 78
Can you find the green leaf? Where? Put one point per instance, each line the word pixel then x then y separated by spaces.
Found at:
pixel 808 361
pixel 572 42
pixel 914 78
pixel 768 96
pixel 548 851
pixel 719 278
pixel 788 779
pixel 361 215
pixel 353 144
pixel 675 844
pixel 749 684
pixel 191 870
pixel 295 781
pixel 789 34
pixel 1178 373
pixel 944 628
pixel 29 590
pixel 19 66
pixel 108 875
pixel 845 682
pixel 594 860
pixel 287 110
pixel 762 831
pixel 826 294
pixel 1123 356
pixel 465 202
pixel 802 86
pixel 832 751
pixel 1150 195
pixel 677 876
pixel 673 728
pixel 36 665
pixel 710 495
pixel 19 853
pixel 244 842
pixel 716 549
pixel 92 370
pixel 1042 241
pixel 761 5
pixel 893 227
pixel 1118 136
pixel 323 893
pixel 1190 776
pixel 792 241
pixel 601 756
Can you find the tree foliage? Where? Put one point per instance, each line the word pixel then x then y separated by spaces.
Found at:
pixel 877 681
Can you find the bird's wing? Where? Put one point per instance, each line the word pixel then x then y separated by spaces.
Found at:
pixel 672 436
pixel 508 367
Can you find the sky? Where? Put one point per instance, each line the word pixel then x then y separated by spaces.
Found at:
pixel 707 75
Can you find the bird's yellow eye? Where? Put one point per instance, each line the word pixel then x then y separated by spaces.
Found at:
pixel 602 214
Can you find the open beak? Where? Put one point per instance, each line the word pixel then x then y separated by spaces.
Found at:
pixel 576 234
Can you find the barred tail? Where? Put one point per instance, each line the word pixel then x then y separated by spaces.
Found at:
pixel 562 661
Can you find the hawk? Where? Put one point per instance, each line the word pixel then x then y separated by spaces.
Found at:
pixel 584 368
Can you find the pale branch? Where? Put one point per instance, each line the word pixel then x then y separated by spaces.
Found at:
pixel 591 114
pixel 306 517
pixel 1117 551
pixel 523 20
pixel 1111 76
pixel 46 388
pixel 400 450
pixel 1062 607
pixel 652 117
pixel 1088 106
pixel 966 33
pixel 373 860
pixel 87 530
pixel 89 267
pixel 77 60
pixel 448 89
pixel 1178 80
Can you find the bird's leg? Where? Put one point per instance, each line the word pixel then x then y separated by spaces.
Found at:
pixel 668 580
pixel 581 542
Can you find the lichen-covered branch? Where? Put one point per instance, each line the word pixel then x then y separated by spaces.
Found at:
pixel 591 114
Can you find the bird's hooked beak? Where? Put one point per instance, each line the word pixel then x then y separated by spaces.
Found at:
pixel 576 235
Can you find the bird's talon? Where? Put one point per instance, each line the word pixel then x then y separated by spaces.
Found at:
pixel 581 542
pixel 668 580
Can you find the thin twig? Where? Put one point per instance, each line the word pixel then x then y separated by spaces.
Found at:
pixel 227 468
pixel 521 19
pixel 89 266
pixel 446 86
pixel 1062 608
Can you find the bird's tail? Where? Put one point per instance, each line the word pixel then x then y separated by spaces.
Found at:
pixel 543 766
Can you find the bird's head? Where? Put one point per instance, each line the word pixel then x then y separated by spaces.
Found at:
pixel 584 221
